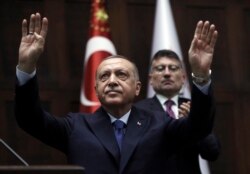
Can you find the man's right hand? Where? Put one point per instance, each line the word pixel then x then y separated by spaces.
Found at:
pixel 32 42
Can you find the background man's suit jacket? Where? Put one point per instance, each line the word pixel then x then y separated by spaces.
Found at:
pixel 186 160
pixel 88 140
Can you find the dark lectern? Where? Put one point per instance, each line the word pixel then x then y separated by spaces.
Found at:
pixel 8 155
pixel 42 169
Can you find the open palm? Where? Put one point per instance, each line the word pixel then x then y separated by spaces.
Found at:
pixel 202 48
pixel 32 42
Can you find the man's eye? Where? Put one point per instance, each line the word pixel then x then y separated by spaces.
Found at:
pixel 173 67
pixel 160 68
pixel 122 76
pixel 104 77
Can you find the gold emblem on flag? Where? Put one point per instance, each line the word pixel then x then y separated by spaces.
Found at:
pixel 101 15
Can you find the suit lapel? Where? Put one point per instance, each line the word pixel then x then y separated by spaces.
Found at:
pixel 136 127
pixel 155 104
pixel 102 128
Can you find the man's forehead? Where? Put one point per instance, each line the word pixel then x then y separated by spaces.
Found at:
pixel 113 62
pixel 166 59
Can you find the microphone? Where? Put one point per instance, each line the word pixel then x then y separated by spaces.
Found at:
pixel 13 152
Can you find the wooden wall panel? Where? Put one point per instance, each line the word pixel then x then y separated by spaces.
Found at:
pixel 10 17
pixel 215 15
pixel 140 17
pixel 245 48
pixel 77 18
pixel 223 125
pixel 246 120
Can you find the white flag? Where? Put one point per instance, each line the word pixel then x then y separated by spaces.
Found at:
pixel 165 37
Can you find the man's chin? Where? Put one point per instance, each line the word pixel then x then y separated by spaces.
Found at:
pixel 166 88
pixel 112 102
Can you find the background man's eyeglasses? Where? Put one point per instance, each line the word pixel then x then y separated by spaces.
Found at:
pixel 162 68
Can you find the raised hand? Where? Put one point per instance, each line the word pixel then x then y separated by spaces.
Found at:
pixel 32 42
pixel 202 48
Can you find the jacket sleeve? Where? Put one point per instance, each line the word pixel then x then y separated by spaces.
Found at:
pixel 33 119
pixel 209 148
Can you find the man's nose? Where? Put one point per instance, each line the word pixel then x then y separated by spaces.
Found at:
pixel 112 80
pixel 166 71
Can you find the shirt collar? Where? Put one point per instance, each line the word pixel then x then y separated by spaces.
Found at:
pixel 162 99
pixel 124 118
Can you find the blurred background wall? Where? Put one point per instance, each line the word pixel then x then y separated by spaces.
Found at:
pixel 60 66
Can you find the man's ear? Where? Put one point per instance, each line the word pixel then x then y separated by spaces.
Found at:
pixel 96 92
pixel 137 88
pixel 150 78
pixel 184 76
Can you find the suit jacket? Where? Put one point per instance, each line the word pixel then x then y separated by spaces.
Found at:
pixel 88 140
pixel 186 160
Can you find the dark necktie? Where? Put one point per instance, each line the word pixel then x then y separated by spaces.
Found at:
pixel 119 131
pixel 170 112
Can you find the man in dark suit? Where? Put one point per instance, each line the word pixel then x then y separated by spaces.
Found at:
pixel 118 137
pixel 167 77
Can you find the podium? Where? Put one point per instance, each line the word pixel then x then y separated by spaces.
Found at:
pixel 8 155
pixel 36 169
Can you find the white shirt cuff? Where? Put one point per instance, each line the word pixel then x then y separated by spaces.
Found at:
pixel 24 77
pixel 204 88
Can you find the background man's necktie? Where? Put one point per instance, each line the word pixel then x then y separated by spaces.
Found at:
pixel 170 112
pixel 119 127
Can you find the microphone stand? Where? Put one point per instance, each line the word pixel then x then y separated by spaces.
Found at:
pixel 13 152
